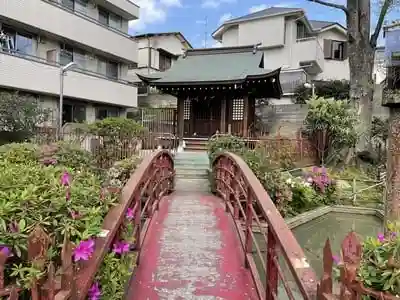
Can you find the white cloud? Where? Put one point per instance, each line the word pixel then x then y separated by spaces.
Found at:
pixel 257 8
pixel 176 3
pixel 215 3
pixel 225 17
pixel 152 11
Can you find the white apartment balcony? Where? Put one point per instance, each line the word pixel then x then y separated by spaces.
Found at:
pixel 34 74
pixel 308 52
pixel 124 8
pixel 51 17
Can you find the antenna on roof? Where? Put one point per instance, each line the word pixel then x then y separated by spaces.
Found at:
pixel 205 31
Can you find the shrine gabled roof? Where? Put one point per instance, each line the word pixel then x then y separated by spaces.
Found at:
pixel 227 65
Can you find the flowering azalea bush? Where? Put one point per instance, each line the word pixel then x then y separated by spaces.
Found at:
pixel 48 188
pixel 380 263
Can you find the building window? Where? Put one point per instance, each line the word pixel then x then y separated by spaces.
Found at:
pixel 74 113
pixel 80 58
pixel 112 70
pixel 237 109
pixel 107 112
pixel 165 62
pixel 66 54
pixel 15 41
pixel 76 5
pixel 109 19
pixel 302 31
pixel 336 50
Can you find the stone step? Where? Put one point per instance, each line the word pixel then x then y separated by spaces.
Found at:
pixel 192 185
pixel 193 171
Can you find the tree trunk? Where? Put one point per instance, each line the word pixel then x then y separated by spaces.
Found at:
pixel 361 59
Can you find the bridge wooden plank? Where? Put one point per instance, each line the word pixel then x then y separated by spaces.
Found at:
pixel 192 251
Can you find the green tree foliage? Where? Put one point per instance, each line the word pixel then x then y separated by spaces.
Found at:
pixel 332 127
pixel 19 116
pixel 336 89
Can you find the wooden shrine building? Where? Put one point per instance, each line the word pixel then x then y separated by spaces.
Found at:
pixel 216 89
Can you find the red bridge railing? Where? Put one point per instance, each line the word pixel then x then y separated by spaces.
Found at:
pixel 284 267
pixel 152 180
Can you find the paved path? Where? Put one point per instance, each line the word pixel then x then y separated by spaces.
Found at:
pixel 192 252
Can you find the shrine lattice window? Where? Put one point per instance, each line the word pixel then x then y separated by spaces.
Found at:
pixel 237 109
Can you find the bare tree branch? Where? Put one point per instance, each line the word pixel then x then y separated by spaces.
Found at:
pixel 329 4
pixel 384 10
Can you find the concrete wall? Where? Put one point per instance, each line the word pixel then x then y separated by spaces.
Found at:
pixel 288 119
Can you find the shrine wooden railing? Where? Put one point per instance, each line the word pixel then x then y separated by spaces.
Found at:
pixel 152 180
pixel 284 268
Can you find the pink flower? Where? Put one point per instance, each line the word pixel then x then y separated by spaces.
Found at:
pixel 129 214
pixel 381 237
pixel 94 292
pixel 5 250
pixel 65 179
pixel 336 259
pixel 121 247
pixel 84 250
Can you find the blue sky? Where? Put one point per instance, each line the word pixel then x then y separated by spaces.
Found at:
pixel 189 16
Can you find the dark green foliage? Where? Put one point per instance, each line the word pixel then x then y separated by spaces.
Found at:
pixel 337 89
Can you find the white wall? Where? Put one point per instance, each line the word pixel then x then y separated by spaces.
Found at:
pixel 25 74
pixel 61 22
pixel 230 38
pixel 281 48
pixel 269 32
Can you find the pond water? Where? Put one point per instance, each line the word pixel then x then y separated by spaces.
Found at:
pixel 335 226
pixel 312 236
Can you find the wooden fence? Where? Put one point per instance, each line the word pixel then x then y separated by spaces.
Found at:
pixel 299 149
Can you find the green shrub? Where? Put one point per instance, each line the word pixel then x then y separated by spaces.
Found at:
pixel 117 127
pixel 33 194
pixel 336 89
pixel 67 154
pixel 19 153
pixel 332 127
pixel 225 143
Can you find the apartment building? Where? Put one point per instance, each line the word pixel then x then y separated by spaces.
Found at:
pixel 305 49
pixel 157 52
pixel 38 37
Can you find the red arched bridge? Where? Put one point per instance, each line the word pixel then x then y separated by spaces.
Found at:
pixel 192 244
pixel 196 245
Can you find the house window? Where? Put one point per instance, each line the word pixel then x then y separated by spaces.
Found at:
pixel 106 112
pixel 74 113
pixel 302 31
pixel 165 62
pixel 109 19
pixel 336 50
